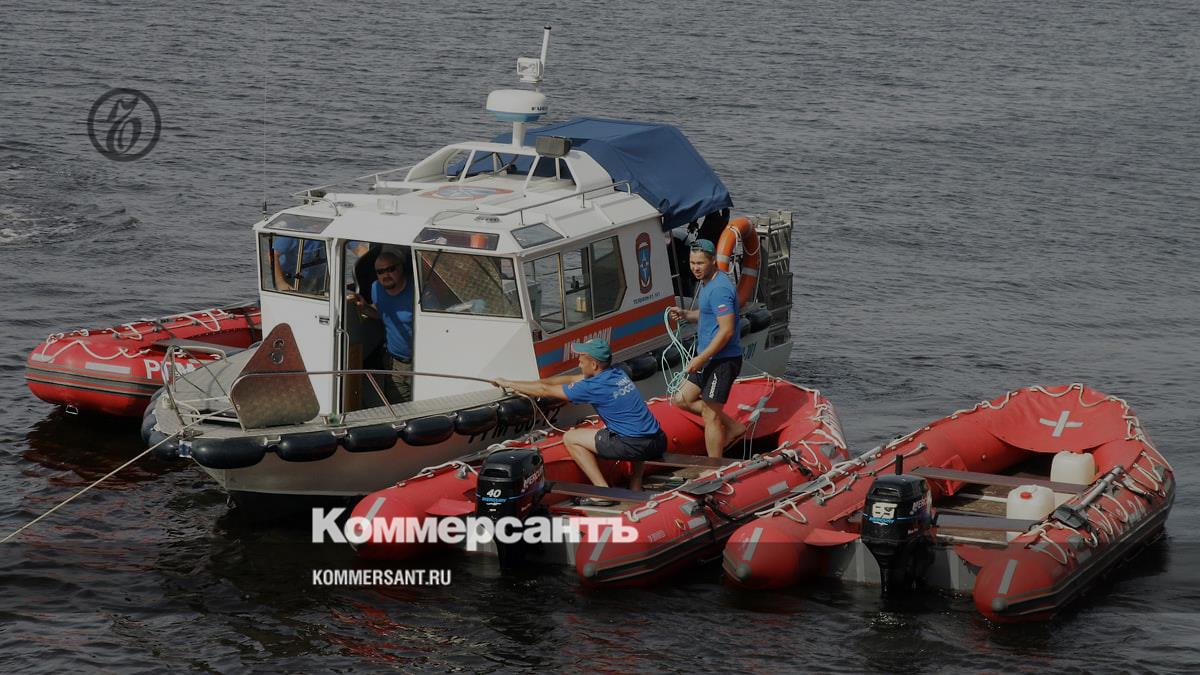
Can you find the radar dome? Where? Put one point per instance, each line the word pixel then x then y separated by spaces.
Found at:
pixel 516 105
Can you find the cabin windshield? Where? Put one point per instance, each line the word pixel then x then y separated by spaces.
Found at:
pixel 461 283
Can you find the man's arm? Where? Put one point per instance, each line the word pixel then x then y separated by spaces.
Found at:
pixel 281 282
pixel 551 387
pixel 364 310
pixel 680 314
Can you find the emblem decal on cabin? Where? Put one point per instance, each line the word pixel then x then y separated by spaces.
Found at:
pixel 642 250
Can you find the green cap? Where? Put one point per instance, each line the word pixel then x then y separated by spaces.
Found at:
pixel 704 245
pixel 596 348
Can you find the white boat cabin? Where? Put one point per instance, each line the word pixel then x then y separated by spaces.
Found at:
pixel 513 254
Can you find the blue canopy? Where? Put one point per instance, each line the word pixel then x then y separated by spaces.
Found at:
pixel 657 159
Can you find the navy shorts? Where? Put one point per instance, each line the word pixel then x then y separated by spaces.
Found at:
pixel 634 448
pixel 716 378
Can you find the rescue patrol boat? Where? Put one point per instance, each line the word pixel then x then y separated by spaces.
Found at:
pixel 688 506
pixel 517 248
pixel 1024 501
pixel 115 371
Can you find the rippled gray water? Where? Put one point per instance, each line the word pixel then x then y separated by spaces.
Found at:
pixel 988 195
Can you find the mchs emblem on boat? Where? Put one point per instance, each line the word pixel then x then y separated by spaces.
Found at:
pixel 645 274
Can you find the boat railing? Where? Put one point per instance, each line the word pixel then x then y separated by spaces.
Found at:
pixel 317 193
pixel 581 194
pixel 189 412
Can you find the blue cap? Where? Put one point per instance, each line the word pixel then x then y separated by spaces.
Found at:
pixel 596 348
pixel 704 245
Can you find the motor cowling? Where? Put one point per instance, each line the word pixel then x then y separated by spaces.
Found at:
pixel 896 530
pixel 511 485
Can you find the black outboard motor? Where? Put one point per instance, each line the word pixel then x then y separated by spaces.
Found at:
pixel 511 484
pixel 895 528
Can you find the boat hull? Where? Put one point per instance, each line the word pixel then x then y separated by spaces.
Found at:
pixel 1032 574
pixel 354 474
pixel 115 371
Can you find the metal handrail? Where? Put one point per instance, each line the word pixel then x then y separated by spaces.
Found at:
pixel 582 194
pixel 306 193
pixel 370 373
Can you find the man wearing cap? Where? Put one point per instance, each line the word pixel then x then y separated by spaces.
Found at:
pixel 718 360
pixel 631 433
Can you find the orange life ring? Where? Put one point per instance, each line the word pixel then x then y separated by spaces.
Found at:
pixel 741 229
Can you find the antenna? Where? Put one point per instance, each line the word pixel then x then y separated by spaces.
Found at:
pixel 521 106
pixel 530 70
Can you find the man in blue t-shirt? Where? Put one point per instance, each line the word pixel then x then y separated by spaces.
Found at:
pixel 631 432
pixel 296 271
pixel 393 305
pixel 718 360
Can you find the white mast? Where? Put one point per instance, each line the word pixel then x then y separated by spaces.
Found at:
pixel 521 106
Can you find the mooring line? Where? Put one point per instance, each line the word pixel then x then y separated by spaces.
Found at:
pixel 106 476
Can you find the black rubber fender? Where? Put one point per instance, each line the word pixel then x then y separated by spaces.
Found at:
pixel 370 438
pixel 228 453
pixel 472 421
pixel 149 417
pixel 759 319
pixel 427 430
pixel 641 367
pixel 514 411
pixel 309 446
pixel 743 327
pixel 168 451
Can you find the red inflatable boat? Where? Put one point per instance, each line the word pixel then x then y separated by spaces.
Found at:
pixel 675 527
pixel 116 370
pixel 1024 501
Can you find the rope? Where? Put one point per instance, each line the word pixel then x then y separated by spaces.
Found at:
pixel 103 478
pixel 674 380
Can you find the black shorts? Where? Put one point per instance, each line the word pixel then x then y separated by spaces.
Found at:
pixel 636 448
pixel 716 378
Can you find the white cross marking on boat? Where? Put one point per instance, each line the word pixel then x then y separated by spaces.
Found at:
pixel 757 409
pixel 1061 424
pixel 1009 571
pixel 752 544
pixel 600 544
pixel 375 508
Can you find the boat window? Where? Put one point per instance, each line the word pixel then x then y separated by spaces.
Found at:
pixel 295 223
pixel 534 235
pixel 483 241
pixel 544 280
pixel 608 279
pixel 461 283
pixel 297 265
pixel 573 287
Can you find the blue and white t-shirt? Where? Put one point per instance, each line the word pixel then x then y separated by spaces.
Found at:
pixel 718 297
pixel 617 401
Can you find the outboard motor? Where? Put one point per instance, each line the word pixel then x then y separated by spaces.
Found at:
pixel 896 529
pixel 511 484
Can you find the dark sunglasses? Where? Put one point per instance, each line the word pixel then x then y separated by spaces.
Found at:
pixel 385 270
